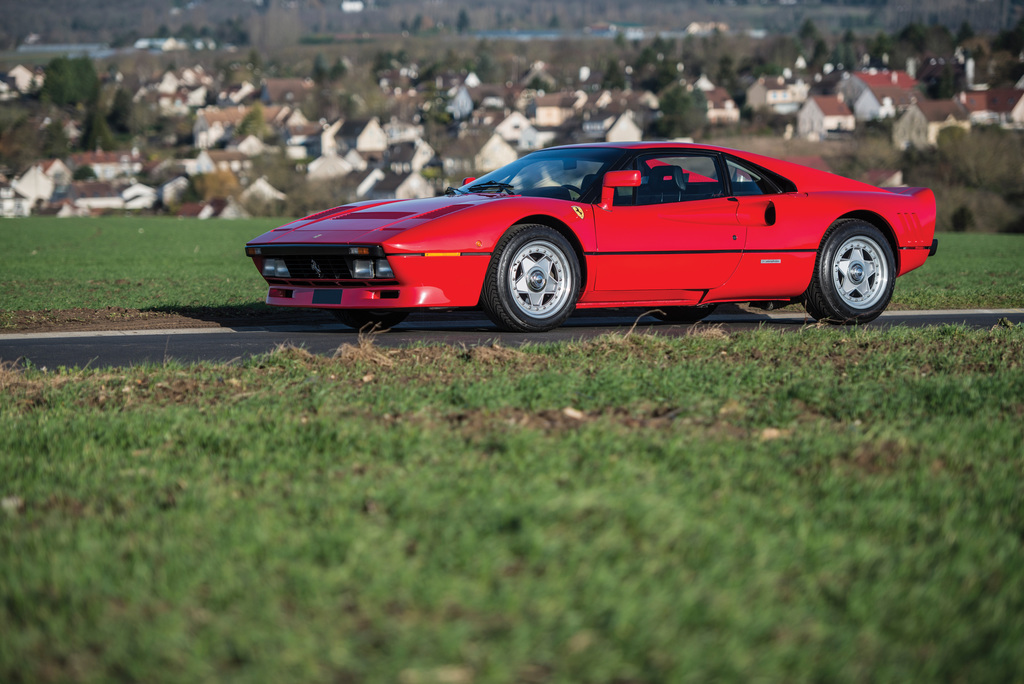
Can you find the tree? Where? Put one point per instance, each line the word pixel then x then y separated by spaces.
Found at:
pixel 96 135
pixel 253 122
pixel 614 76
pixel 70 82
pixel 120 117
pixel 55 141
pixel 338 71
pixel 682 112
pixel 462 24
pixel 84 173
pixel 320 69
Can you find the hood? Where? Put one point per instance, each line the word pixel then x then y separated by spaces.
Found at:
pixel 368 221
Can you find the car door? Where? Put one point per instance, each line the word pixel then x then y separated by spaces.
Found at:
pixel 676 231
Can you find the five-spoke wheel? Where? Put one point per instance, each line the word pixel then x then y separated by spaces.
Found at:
pixel 532 281
pixel 853 276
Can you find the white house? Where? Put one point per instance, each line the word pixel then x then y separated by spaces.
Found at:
pixel 395 186
pixel 96 196
pixel 35 185
pixel 777 94
pixel 139 196
pixel 261 191
pixel 173 190
pixel 12 203
pixel 494 154
pixel 823 116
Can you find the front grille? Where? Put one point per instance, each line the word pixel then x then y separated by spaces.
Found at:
pixel 318 267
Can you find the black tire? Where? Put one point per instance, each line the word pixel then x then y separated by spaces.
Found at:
pixel 853 275
pixel 368 320
pixel 684 314
pixel 533 280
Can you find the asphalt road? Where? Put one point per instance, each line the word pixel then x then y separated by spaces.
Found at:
pixel 127 348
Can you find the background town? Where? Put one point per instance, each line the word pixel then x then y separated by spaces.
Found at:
pixel 230 108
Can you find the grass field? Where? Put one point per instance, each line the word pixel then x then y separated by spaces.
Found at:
pixel 177 265
pixel 824 505
pixel 828 505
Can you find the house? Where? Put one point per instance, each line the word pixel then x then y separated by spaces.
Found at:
pixel 389 185
pixel 235 95
pixel 611 125
pixel 214 125
pixel 883 102
pixel 823 117
pixel 139 196
pixel 996 106
pixel 399 130
pixel 494 154
pixel 228 160
pixel 777 94
pixel 286 91
pixel 551 111
pixel 410 157
pixel 26 80
pixel 173 190
pixel 537 75
pixel 477 151
pixel 514 128
pixel 34 185
pixel 624 129
pixel 221 207
pixel 920 125
pixel 110 165
pixel 363 135
pixel 13 204
pixel 262 192
pixel 877 94
pixel 250 146
pixel 328 167
pixel 460 106
pixel 722 108
pixel 96 196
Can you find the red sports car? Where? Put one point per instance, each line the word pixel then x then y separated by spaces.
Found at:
pixel 675 227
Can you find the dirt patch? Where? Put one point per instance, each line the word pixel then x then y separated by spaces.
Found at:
pixel 119 318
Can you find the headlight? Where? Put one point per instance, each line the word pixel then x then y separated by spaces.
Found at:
pixel 384 269
pixel 275 268
pixel 362 268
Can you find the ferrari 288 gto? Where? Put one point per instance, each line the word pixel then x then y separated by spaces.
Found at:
pixel 675 227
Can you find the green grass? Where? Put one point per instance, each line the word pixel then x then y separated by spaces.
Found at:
pixel 178 265
pixel 970 270
pixel 143 263
pixel 823 505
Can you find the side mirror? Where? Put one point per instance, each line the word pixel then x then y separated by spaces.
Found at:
pixel 617 179
pixel 467 181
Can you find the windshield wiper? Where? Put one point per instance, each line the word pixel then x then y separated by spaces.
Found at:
pixel 451 192
pixel 492 185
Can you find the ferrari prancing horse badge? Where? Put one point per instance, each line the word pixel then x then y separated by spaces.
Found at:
pixel 578 210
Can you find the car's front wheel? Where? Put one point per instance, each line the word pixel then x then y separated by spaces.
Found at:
pixel 853 276
pixel 533 280
pixel 369 320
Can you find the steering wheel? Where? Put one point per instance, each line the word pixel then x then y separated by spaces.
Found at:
pixel 574 192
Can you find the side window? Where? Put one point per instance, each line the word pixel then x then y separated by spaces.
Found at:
pixel 664 180
pixel 746 181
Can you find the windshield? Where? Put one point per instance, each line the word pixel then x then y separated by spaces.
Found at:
pixel 560 173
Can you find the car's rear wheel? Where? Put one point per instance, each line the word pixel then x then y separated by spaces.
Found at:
pixel 368 319
pixel 853 276
pixel 684 314
pixel 533 280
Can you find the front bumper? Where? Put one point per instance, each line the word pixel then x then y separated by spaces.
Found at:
pixel 450 281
